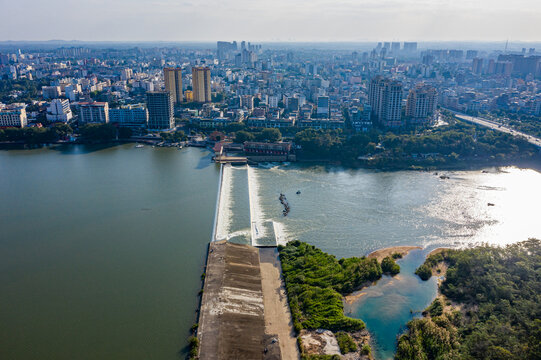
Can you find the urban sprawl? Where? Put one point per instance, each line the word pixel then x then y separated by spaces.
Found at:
pixel 395 85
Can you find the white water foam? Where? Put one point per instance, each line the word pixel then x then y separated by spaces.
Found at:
pixel 280 233
pixel 257 217
pixel 223 222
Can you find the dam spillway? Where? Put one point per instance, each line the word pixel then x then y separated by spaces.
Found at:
pixel 239 216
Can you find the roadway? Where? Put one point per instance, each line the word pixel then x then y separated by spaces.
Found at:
pixel 496 126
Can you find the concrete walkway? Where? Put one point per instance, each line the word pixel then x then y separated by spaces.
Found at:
pixel 277 316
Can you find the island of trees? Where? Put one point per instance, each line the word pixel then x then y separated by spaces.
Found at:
pixel 316 283
pixel 489 306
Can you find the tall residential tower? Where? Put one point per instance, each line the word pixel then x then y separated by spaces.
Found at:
pixel 422 104
pixel 385 98
pixel 201 84
pixel 173 83
pixel 160 110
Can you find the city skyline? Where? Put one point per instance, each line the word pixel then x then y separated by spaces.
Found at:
pixel 281 20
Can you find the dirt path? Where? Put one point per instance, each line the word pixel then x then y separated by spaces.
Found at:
pixel 277 316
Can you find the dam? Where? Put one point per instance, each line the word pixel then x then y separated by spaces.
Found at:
pixel 244 312
pixel 239 216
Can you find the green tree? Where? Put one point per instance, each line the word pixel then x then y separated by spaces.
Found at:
pixel 125 133
pixel 269 135
pixel 98 132
pixel 242 136
pixel 389 266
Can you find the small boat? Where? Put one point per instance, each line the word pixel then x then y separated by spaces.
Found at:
pixel 138 146
pixel 490 204
pixel 298 192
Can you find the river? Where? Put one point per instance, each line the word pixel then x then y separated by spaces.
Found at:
pixel 101 249
pixel 353 212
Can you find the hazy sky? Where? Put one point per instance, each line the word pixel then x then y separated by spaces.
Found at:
pixel 270 20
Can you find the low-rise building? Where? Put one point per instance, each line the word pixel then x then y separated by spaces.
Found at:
pixel 93 112
pixel 13 117
pixel 133 116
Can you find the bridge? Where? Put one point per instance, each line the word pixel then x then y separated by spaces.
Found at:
pixel 236 160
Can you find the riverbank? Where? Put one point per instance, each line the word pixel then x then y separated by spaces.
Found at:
pixel 474 318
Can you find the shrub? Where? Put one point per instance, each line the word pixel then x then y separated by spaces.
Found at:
pixel 366 350
pixel 424 272
pixel 345 342
pixel 193 342
pixel 389 266
pixel 436 308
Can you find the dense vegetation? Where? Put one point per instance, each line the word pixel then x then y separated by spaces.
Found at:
pixel 445 145
pixel 59 131
pixel 21 90
pixel 389 266
pixel 35 135
pixel 316 281
pixel 265 135
pixel 499 290
pixel 526 123
pixel 174 136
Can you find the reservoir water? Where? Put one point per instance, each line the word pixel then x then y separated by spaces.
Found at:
pixel 101 250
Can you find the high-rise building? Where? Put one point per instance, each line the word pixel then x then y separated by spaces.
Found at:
pixel 94 112
pixel 59 110
pixel 395 48
pixel 503 68
pixel 471 54
pixel 225 48
pixel 323 107
pixel 126 74
pixel 15 117
pixel 410 47
pixel 173 83
pixel 385 98
pixel 201 84
pixel 523 65
pixel 247 101
pixel 477 66
pixel 421 105
pixel 491 66
pixel 160 110
pixel 133 116
pixel 292 104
